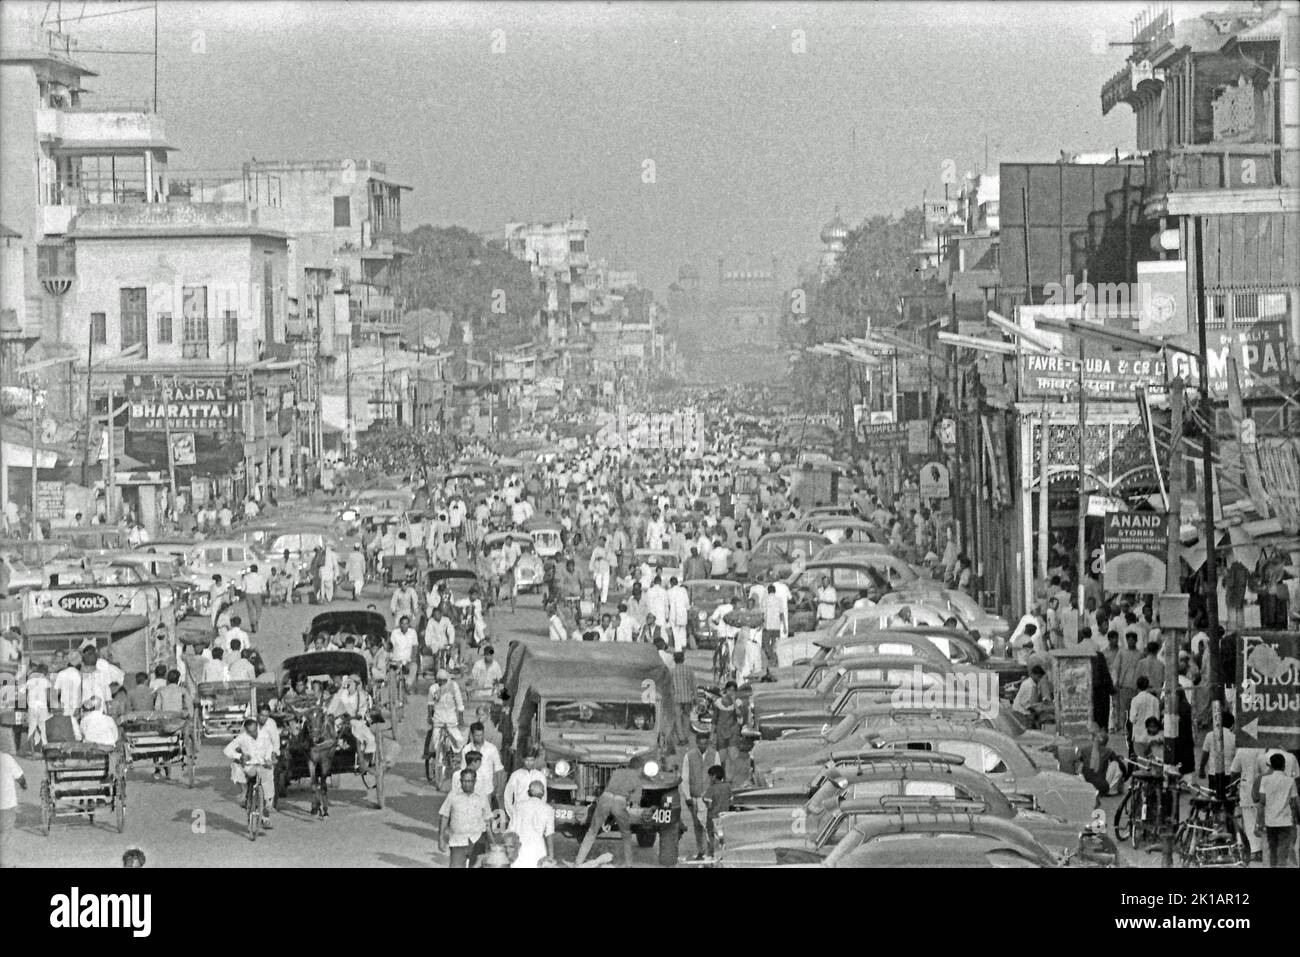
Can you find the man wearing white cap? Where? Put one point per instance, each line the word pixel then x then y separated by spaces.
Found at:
pixel 98 676
pixel 446 707
pixel 96 726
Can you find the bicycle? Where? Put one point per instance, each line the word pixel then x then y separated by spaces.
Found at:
pixel 254 799
pixel 1138 817
pixel 395 691
pixel 1211 835
pixel 722 661
pixel 440 760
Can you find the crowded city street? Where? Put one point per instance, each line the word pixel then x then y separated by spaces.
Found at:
pixel 820 494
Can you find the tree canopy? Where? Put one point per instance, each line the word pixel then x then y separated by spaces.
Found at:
pixel 452 269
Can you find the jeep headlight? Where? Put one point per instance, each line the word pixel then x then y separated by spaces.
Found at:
pixel 562 768
pixel 651 769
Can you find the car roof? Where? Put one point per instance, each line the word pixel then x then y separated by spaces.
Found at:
pixel 786 536
pixel 714 583
pixel 867 827
pixel 325 663
pixel 884 661
pixel 964 731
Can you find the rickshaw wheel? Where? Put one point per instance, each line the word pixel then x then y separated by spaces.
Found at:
pixel 47 808
pixel 379 771
pixel 119 808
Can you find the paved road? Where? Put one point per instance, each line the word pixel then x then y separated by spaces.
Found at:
pixel 204 826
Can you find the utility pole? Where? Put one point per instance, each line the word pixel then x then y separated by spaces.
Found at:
pixel 85 459
pixel 31 381
pixel 1173 584
pixel 1207 467
pixel 110 480
pixel 169 391
pixel 1082 542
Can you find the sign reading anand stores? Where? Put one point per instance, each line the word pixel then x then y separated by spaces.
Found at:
pixel 1136 545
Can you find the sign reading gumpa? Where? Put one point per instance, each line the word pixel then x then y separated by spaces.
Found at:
pixel 201 405
pixel 1136 545
pixel 1268 690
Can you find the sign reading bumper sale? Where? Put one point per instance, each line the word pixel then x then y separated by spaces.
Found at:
pixel 1136 545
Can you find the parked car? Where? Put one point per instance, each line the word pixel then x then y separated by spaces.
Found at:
pixel 893 670
pixel 895 786
pixel 815 747
pixel 967 610
pixel 843 528
pixel 942 841
pixel 776 551
pixel 1006 763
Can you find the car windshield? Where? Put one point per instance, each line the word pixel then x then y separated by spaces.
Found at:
pixel 593 715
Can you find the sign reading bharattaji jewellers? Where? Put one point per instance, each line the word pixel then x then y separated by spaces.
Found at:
pixel 1104 377
pixel 196 405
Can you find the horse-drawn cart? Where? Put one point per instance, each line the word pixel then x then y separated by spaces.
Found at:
pixel 317 743
pixel 164 738
pixel 80 779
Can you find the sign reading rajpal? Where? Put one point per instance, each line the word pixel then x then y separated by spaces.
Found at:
pixel 1136 545
pixel 196 406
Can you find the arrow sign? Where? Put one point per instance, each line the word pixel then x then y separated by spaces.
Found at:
pixel 1254 729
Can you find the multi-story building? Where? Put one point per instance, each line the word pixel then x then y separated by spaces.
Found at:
pixel 557 254
pixel 145 289
pixel 60 153
pixel 1216 99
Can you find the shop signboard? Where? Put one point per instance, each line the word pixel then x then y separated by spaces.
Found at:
pixel 1268 690
pixel 1112 377
pixel 1136 545
pixel 195 405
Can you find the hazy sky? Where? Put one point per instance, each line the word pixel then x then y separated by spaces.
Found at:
pixel 753 143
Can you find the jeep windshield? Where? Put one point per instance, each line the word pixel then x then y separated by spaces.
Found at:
pixel 591 715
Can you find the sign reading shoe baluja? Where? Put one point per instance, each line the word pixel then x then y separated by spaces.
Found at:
pixel 1136 545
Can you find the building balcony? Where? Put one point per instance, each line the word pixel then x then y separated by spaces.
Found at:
pixel 220 217
pixel 102 129
pixel 1231 170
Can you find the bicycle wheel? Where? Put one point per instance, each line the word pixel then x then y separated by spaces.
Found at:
pixel 1185 840
pixel 1123 820
pixel 254 810
pixel 428 757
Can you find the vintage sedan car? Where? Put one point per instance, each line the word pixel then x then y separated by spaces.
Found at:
pixel 832 650
pixel 890 668
pixel 966 609
pixel 946 841
pixel 547 540
pixel 891 787
pixel 805 748
pixel 855 697
pixel 706 595
pixel 776 551
pixel 852 578
pixel 1000 757
pixel 842 528
pixel 529 570
pixel 649 562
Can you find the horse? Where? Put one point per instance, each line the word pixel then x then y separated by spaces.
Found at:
pixel 320 734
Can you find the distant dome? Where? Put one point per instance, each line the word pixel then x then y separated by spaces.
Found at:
pixel 835 231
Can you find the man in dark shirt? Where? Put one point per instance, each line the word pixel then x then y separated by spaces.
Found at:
pixel 140 697
pixel 621 794
pixel 728 722
pixel 695 567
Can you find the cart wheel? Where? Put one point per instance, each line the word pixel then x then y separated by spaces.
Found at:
pixel 254 821
pixel 47 808
pixel 379 771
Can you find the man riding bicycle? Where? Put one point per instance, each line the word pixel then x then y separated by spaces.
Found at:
pixel 439 637
pixel 251 758
pixel 404 641
pixel 447 708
